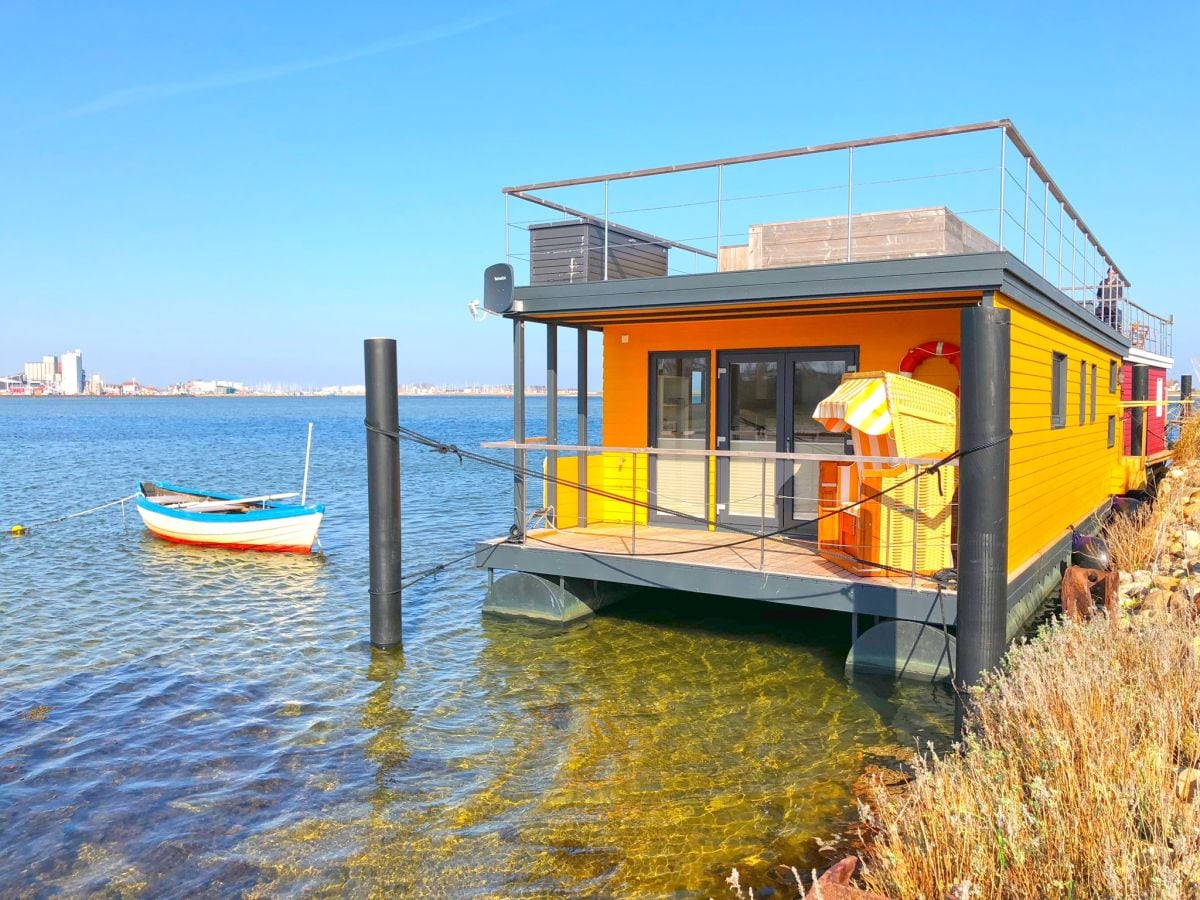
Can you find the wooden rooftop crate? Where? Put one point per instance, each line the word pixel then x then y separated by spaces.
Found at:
pixel 902 234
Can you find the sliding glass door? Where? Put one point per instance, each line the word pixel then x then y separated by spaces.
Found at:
pixel 765 404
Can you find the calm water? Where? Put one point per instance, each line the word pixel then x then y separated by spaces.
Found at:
pixel 175 720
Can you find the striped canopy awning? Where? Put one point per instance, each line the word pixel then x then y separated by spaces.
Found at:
pixel 858 403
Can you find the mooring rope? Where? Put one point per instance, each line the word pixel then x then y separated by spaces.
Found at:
pixel 25 529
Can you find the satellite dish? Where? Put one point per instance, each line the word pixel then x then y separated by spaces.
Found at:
pixel 498 288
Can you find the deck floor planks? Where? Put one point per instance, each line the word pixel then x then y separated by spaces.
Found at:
pixel 706 548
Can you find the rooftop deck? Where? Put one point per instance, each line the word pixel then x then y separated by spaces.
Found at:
pixel 966 189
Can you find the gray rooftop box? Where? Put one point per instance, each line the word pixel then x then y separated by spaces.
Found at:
pixel 572 251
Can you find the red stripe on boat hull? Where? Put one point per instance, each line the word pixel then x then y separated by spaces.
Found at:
pixel 267 548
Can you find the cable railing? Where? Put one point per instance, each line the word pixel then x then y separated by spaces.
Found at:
pixel 879 516
pixel 969 188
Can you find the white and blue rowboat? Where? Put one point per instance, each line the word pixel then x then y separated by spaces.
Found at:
pixel 210 519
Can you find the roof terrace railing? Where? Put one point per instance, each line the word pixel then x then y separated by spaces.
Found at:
pixel 824 203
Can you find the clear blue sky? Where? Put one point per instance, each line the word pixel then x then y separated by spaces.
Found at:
pixel 247 190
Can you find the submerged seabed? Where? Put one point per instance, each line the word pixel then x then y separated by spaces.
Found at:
pixel 176 720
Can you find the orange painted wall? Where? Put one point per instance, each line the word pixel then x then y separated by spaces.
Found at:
pixel 882 339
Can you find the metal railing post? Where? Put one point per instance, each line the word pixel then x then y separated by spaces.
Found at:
pixel 1045 226
pixel 606 229
pixel 633 509
pixel 916 486
pixel 850 208
pixel 1003 178
pixel 762 526
pixel 1025 226
pixel 1060 246
pixel 1074 229
pixel 720 190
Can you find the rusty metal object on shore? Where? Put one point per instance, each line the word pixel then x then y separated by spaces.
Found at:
pixel 1085 590
pixel 835 883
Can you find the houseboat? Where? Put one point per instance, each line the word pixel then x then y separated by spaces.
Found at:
pixel 900 396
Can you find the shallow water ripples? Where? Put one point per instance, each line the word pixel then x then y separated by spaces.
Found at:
pixel 176 720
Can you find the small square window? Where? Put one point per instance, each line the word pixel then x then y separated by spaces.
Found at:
pixel 1058 390
pixel 1112 431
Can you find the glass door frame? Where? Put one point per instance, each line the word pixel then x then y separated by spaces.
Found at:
pixel 653 516
pixel 779 513
pixel 849 355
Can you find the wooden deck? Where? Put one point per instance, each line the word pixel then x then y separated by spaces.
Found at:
pixel 717 549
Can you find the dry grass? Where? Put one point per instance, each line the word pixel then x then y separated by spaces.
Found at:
pixel 1187 448
pixel 1135 541
pixel 1067 787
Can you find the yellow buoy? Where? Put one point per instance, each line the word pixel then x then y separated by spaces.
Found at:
pixel 18 529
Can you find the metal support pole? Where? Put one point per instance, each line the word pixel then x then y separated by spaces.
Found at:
pixel 520 457
pixel 983 497
pixel 507 228
pixel 1141 392
pixel 606 230
pixel 850 208
pixel 383 491
pixel 1003 179
pixel 1025 226
pixel 552 423
pixel 581 422
pixel 720 191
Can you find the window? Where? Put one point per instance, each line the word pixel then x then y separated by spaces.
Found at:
pixel 1093 416
pixel 1082 391
pixel 1112 431
pixel 1058 390
pixel 1112 377
pixel 681 413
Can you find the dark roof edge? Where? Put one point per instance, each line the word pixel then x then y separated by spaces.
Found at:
pixel 990 271
pixel 1030 289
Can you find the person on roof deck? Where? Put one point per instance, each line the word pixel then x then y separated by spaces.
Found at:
pixel 1108 297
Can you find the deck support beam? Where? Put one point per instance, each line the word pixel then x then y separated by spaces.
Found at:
pixel 984 429
pixel 520 457
pixel 1141 392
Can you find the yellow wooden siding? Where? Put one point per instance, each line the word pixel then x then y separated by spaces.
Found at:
pixel 1058 476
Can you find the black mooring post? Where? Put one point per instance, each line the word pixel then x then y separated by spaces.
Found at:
pixel 383 490
pixel 1185 387
pixel 982 498
pixel 1137 423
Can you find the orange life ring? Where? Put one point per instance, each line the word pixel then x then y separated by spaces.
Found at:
pixel 918 354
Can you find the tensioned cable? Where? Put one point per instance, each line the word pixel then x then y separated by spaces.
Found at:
pixel 751 536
